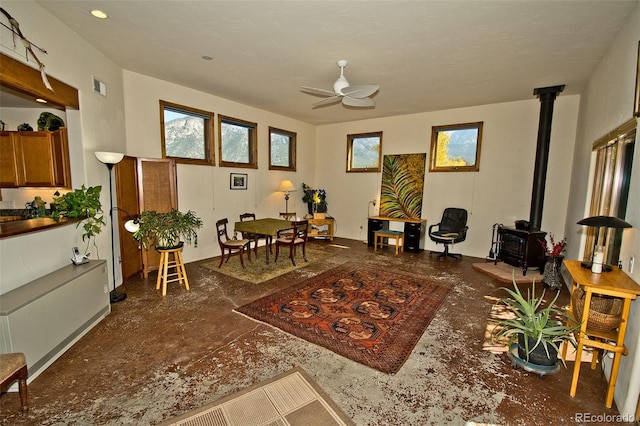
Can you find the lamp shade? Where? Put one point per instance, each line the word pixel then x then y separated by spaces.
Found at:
pixel 286 186
pixel 109 157
pixel 132 225
pixel 605 221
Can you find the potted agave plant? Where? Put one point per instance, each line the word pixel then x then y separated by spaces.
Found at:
pixel 538 330
pixel 166 230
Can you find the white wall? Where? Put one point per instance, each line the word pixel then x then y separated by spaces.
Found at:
pixel 99 125
pixel 499 193
pixel 607 103
pixel 205 189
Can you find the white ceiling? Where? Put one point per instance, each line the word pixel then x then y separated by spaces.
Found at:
pixel 426 55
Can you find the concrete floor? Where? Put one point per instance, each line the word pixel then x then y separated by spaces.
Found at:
pixel 154 358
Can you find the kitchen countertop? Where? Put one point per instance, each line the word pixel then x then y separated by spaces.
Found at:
pixel 19 227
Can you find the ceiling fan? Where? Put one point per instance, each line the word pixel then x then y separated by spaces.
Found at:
pixel 354 96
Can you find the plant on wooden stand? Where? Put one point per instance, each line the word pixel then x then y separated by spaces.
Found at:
pixel 167 230
pixel 538 330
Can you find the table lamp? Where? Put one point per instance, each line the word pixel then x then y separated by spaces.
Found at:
pixel 286 186
pixel 601 222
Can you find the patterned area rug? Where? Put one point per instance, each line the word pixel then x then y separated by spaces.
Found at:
pixel 258 271
pixel 291 398
pixel 370 315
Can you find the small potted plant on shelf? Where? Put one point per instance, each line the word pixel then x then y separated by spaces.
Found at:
pixel 168 229
pixel 536 330
pixel 84 204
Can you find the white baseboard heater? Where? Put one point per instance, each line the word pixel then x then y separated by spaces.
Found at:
pixel 43 318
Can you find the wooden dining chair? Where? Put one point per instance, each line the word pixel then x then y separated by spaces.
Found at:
pixel 255 237
pixel 293 239
pixel 231 244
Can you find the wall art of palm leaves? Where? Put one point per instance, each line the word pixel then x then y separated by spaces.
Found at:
pixel 402 185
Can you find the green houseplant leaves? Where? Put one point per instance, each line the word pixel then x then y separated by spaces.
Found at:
pixel 167 229
pixel 83 203
pixel 545 325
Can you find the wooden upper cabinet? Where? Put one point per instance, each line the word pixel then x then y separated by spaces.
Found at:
pixel 36 159
pixel 8 161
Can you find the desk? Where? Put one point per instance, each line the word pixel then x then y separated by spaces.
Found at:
pixel 615 283
pixel 266 227
pixel 413 230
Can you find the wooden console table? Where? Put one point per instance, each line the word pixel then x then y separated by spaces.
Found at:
pixel 413 231
pixel 316 232
pixel 614 283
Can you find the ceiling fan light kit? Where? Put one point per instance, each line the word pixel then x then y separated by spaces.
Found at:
pixel 353 96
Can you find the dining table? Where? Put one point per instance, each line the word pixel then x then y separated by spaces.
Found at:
pixel 266 227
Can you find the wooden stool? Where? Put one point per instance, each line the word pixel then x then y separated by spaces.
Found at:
pixel 164 276
pixel 383 233
pixel 14 367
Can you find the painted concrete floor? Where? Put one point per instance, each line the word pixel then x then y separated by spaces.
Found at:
pixel 154 358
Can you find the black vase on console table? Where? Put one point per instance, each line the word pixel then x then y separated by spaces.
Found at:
pixel 522 247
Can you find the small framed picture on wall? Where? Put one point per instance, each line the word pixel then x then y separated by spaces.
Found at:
pixel 238 181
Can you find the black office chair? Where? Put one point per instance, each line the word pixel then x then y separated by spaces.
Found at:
pixel 451 229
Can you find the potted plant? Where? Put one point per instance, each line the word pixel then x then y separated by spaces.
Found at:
pixel 83 203
pixel 167 230
pixel 537 330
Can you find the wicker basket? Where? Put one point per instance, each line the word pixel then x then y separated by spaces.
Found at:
pixel 604 313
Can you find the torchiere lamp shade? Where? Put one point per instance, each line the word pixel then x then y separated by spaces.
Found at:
pixel 109 157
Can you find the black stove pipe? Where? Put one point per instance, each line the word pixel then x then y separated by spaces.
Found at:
pixel 547 96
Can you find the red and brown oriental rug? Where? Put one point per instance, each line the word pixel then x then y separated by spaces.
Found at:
pixel 370 315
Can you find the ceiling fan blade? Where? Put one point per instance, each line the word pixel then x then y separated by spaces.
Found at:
pixel 315 91
pixel 360 91
pixel 354 102
pixel 327 101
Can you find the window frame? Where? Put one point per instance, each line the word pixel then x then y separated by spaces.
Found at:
pixel 253 142
pixel 208 116
pixel 436 130
pixel 292 149
pixel 350 141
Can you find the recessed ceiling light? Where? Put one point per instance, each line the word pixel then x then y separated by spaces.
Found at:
pixel 207 58
pixel 99 14
pixel 42 101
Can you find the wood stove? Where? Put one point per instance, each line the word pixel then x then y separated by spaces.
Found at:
pixel 522 245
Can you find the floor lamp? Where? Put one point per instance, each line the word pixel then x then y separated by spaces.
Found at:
pixel 601 222
pixel 286 186
pixel 111 158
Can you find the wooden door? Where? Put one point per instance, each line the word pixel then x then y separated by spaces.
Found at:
pixel 143 184
pixel 157 189
pixel 126 175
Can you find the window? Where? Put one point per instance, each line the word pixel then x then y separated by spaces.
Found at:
pixel 610 191
pixel 282 150
pixel 238 143
pixel 186 134
pixel 364 152
pixel 456 147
